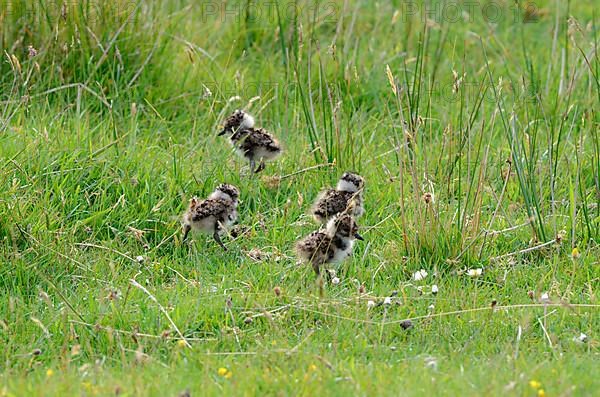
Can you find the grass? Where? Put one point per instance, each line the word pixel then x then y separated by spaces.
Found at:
pixel 110 128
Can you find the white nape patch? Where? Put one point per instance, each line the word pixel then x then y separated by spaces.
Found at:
pixel 341 254
pixel 217 194
pixel 330 228
pixel 247 121
pixel 346 186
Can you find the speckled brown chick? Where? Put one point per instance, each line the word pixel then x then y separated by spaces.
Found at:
pixel 329 246
pixel 213 215
pixel 253 144
pixel 347 197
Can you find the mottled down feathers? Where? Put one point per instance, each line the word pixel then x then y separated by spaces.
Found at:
pixel 253 144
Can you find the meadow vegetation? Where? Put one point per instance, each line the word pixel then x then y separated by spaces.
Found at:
pixel 475 125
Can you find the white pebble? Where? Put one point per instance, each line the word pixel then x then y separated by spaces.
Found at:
pixel 335 280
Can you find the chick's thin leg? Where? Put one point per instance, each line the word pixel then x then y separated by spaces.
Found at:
pixel 328 272
pixel 218 240
pixel 261 166
pixel 317 268
pixel 186 231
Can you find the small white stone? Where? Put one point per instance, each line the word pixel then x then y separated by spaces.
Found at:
pixel 434 289
pixel 370 304
pixel 335 281
pixel 420 275
pixel 139 259
pixel 387 301
pixel 475 272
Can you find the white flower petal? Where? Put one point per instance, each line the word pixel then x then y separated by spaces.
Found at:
pixel 434 289
pixel 370 304
pixel 387 301
pixel 335 280
pixel 420 275
pixel 475 272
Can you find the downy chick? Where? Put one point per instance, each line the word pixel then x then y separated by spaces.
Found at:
pixel 332 245
pixel 346 197
pixel 253 144
pixel 213 215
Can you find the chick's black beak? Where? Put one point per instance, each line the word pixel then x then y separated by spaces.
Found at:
pixel 358 237
pixel 222 132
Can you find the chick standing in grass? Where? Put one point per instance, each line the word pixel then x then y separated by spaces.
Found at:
pixel 346 197
pixel 213 215
pixel 253 144
pixel 332 245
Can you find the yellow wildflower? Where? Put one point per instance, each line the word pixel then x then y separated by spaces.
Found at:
pixel 181 343
pixel 222 371
pixel 541 393
pixel 575 253
pixel 49 373
pixel 535 384
pixel 228 375
pixel 312 368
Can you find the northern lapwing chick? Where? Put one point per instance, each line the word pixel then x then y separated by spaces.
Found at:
pixel 238 120
pixel 253 144
pixel 346 197
pixel 213 215
pixel 332 245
